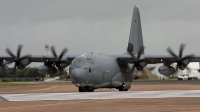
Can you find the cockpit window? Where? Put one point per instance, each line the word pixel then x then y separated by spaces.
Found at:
pixel 87 61
pixel 84 62
pixel 77 61
pixel 90 61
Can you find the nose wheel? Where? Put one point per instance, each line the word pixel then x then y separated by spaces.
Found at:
pixel 121 88
pixel 85 89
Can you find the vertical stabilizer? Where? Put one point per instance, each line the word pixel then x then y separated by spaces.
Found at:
pixel 135 37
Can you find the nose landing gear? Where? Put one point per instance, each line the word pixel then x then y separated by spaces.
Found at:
pixel 122 88
pixel 85 89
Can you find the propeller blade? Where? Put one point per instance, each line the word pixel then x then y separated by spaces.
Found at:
pixel 57 59
pixel 62 53
pixel 16 58
pixel 19 50
pixel 54 52
pixel 8 62
pixel 188 56
pixel 171 52
pixel 181 50
pixel 137 60
pixel 181 61
pixel 10 53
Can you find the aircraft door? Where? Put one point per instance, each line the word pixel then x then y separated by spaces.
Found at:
pixel 93 73
pixel 107 72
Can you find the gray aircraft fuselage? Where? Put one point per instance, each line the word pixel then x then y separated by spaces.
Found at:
pixel 98 71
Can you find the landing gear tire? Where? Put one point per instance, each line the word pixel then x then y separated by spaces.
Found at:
pixel 122 88
pixel 85 89
pixel 80 89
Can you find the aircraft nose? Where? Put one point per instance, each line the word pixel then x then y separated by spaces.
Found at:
pixel 78 74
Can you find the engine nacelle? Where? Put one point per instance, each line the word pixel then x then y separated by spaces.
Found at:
pixel 23 63
pixel 185 63
pixel 166 70
pixel 47 70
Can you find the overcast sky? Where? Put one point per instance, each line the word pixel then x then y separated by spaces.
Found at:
pixel 99 26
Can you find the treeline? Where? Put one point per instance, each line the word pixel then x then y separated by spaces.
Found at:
pixel 27 73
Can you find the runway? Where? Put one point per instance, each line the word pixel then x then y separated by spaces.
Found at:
pixel 100 95
pixel 146 96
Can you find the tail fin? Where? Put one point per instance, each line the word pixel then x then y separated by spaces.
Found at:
pixel 135 37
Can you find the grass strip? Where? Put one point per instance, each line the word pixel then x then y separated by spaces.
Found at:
pixel 13 84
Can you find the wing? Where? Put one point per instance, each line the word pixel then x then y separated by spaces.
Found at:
pixel 50 58
pixel 23 61
pixel 154 59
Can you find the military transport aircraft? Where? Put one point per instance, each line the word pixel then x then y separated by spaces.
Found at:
pixel 90 71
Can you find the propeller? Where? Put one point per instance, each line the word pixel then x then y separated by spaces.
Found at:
pixel 181 61
pixel 16 58
pixel 58 59
pixel 138 63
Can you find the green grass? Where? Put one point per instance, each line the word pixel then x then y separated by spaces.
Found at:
pixel 154 78
pixel 13 84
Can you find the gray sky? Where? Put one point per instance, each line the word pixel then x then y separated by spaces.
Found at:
pixel 101 26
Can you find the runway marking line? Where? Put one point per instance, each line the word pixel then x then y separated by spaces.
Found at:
pixel 31 90
pixel 51 104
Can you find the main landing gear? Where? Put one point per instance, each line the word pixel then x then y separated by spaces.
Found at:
pixel 85 89
pixel 121 88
